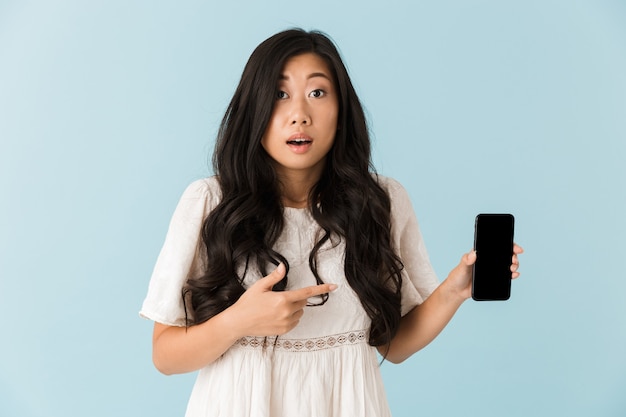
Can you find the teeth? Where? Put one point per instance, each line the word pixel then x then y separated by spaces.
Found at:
pixel 299 141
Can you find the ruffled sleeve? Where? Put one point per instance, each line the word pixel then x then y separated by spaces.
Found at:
pixel 418 277
pixel 181 255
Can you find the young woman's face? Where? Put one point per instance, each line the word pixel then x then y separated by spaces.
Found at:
pixel 302 128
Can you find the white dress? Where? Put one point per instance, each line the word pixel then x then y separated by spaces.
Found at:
pixel 324 367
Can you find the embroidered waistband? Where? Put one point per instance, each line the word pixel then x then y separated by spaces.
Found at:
pixel 303 345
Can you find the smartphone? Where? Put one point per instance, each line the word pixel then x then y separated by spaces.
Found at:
pixel 493 242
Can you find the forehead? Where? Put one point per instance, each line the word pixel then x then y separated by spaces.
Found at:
pixel 306 65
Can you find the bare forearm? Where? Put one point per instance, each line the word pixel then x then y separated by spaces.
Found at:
pixel 258 312
pixel 179 349
pixel 422 324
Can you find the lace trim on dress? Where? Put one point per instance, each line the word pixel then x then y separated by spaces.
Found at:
pixel 303 345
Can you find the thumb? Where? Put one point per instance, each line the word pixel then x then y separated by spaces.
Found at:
pixel 273 278
pixel 465 265
pixel 469 258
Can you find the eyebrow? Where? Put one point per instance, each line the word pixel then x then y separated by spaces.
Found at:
pixel 312 75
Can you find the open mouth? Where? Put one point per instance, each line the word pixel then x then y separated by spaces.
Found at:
pixel 298 142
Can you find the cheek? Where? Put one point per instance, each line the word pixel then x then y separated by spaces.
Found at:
pixel 333 123
pixel 270 132
pixel 273 126
pixel 333 116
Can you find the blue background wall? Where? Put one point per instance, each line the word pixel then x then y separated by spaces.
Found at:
pixel 108 110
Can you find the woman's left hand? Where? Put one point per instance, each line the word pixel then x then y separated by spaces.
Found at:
pixel 460 278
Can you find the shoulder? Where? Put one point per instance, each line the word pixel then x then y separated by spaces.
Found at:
pixel 199 198
pixel 205 188
pixel 391 185
pixel 401 207
pixel 396 191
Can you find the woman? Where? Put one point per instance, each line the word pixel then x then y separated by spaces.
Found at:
pixel 282 276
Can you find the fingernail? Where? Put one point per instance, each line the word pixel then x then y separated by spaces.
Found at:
pixel 332 287
pixel 280 268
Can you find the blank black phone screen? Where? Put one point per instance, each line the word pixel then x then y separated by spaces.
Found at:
pixel 493 242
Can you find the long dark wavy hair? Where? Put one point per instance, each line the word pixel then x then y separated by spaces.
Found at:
pixel 347 201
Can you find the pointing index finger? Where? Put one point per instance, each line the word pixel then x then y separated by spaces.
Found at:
pixel 302 294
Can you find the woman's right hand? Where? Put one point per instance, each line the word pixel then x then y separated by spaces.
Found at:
pixel 258 312
pixel 263 312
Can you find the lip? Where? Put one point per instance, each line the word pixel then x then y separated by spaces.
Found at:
pixel 300 135
pixel 301 148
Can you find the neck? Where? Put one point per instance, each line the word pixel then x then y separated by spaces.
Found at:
pixel 296 186
pixel 296 193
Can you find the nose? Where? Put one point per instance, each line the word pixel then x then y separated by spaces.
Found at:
pixel 300 114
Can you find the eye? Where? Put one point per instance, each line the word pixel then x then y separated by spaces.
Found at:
pixel 281 95
pixel 317 93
